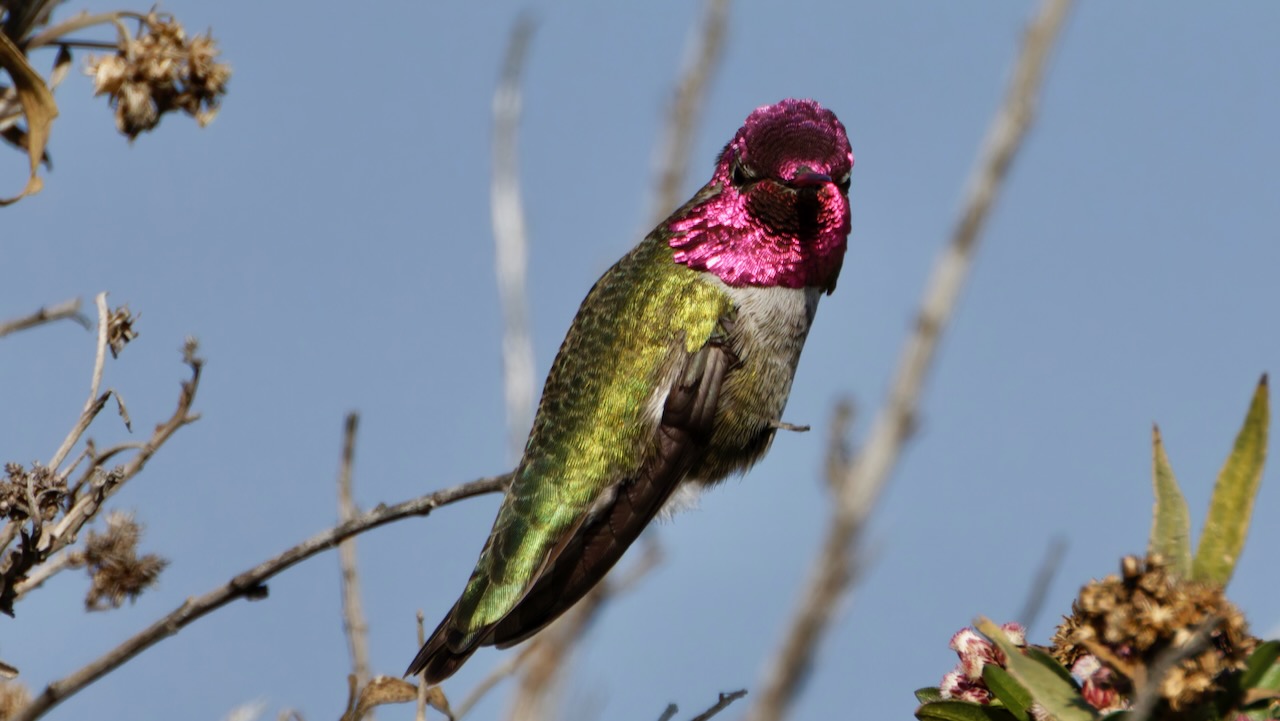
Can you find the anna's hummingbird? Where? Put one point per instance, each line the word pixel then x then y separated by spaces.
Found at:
pixel 675 371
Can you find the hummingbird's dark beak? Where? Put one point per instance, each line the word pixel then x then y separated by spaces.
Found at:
pixel 809 179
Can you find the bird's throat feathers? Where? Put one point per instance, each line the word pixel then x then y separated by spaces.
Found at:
pixel 776 211
pixel 723 236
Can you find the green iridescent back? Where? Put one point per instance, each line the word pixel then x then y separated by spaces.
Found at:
pixel 599 391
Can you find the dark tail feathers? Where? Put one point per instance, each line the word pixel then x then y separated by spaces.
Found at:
pixel 439 657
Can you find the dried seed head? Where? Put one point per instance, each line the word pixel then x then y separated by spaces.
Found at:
pixel 20 485
pixel 116 570
pixel 160 71
pixel 1125 623
pixel 120 325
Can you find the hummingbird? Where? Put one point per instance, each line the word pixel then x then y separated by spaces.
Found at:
pixel 673 375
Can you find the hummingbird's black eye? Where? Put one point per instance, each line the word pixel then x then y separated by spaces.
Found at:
pixel 740 176
pixel 843 183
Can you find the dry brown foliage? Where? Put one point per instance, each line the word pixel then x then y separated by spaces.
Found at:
pixel 153 70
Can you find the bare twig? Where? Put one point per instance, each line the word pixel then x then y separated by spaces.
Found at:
pixel 48 314
pixel 249 585
pixel 1148 692
pixel 669 712
pixel 1044 577
pixel 104 485
pixel 353 622
pixel 95 403
pixel 43 573
pixel 511 239
pixel 721 704
pixel 544 663
pixel 82 21
pixel 859 484
pixel 702 58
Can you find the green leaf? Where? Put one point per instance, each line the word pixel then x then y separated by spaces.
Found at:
pixel 1171 523
pixel 1233 494
pixel 962 711
pixel 1051 663
pixel 1011 693
pixel 1262 660
pixel 929 694
pixel 1057 695
pixel 1270 679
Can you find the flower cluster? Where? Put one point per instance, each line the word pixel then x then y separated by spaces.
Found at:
pixel 964 682
pixel 158 71
pixel 1122 625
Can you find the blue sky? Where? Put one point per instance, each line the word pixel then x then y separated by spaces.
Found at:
pixel 328 240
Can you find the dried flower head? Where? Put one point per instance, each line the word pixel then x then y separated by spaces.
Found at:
pixel 120 329
pixel 159 71
pixel 112 560
pixel 1127 622
pixel 21 488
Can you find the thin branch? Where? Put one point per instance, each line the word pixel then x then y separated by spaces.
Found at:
pixel 722 704
pixel 103 485
pixel 249 585
pixel 353 623
pixel 81 21
pixel 859 484
pixel 94 405
pixel 1044 577
pixel 511 239
pixel 1148 692
pixel 702 59
pixel 48 314
pixel 43 573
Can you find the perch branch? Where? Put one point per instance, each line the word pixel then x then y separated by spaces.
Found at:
pixel 249 585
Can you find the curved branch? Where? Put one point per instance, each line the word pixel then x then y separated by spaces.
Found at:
pixel 249 585
pixel 857 485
